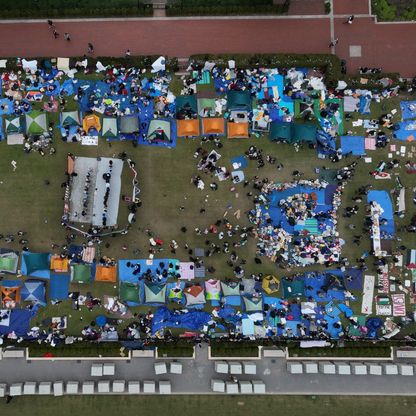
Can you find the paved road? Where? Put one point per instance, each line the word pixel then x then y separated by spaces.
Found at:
pixel 390 46
pixel 197 375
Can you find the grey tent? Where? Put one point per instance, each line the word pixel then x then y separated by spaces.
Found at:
pixel 159 131
pixel 109 128
pixel 70 118
pixel 129 124
pixel 230 288
pixel 253 304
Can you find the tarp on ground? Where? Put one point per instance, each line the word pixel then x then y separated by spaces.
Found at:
pixel 383 199
pixel 230 288
pixel 129 292
pixel 292 288
pixel 408 109
pixel 353 144
pixel 59 286
pixel 292 132
pixel 186 106
pixel 194 295
pixel 154 293
pixel 34 291
pixel 35 264
pixel 239 100
pixel 193 321
pixel 128 124
pixel 109 128
pixel 36 123
pixel 406 131
pixel 70 118
pixel 187 128
pixel 81 273
pixel 8 262
pixel 17 321
pixel 237 130
pixel 159 131
pixel 214 125
pixel 14 124
pixel 253 303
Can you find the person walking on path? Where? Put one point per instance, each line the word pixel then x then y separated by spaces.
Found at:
pixel 90 48
pixel 51 24
pixel 67 36
pixel 128 53
pixel 333 42
pixel 349 20
pixel 55 34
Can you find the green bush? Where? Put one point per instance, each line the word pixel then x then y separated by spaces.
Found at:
pixel 384 10
pixel 82 349
pixel 379 351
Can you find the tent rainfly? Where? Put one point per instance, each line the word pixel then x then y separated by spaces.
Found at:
pixel 36 123
pixel 194 295
pixel 109 128
pixel 159 131
pixel 70 118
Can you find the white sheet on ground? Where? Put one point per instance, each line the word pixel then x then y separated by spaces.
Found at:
pixel 368 295
pixel 159 64
pixel 30 65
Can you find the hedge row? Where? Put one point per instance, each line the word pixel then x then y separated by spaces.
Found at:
pixel 224 10
pixel 328 63
pixel 75 12
pixel 385 11
pixel 131 61
pixel 373 351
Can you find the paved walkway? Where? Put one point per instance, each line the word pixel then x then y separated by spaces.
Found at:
pixel 197 375
pixel 390 46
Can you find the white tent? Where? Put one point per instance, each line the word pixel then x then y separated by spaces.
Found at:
pixel 391 369
pixel 97 370
pixel 149 386
pixel 3 388
pixel 343 369
pixel 109 369
pixel 406 369
pixel 29 388
pixel 294 367
pixel 258 387
pixel 218 386
pixel 45 388
pixel 359 369
pixel 58 388
pixel 311 368
pixel 103 386
pixel 375 369
pixel 87 387
pixel 236 368
pixel 231 387
pixel 16 389
pixel 176 368
pixel 249 367
pixel 246 387
pixel 165 387
pixel 119 386
pixel 327 368
pixel 134 387
pixel 160 368
pixel 72 387
pixel 221 367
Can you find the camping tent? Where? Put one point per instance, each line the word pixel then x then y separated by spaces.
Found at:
pixel 186 106
pixel 106 274
pixel 237 130
pixel 159 131
pixel 230 288
pixel 34 291
pixel 239 100
pixel 81 273
pixel 36 123
pixel 253 304
pixel 154 293
pixel 128 124
pixel 35 262
pixel 8 262
pixel 129 292
pixel 213 289
pixel 293 132
pixel 109 128
pixel 187 128
pixel 59 264
pixel 206 107
pixel 91 122
pixel 270 284
pixel 70 118
pixel 10 293
pixel 13 124
pixel 213 126
pixel 194 295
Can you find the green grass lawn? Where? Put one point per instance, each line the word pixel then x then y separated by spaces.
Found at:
pixel 28 204
pixel 210 404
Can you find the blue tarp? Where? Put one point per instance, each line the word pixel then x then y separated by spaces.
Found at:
pixel 406 131
pixel 59 286
pixel 164 318
pixel 365 104
pixel 353 144
pixel 408 109
pixel 19 321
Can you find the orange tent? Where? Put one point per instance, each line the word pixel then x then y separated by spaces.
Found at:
pixel 59 265
pixel 91 121
pixel 187 128
pixel 213 126
pixel 237 130
pixel 10 296
pixel 106 274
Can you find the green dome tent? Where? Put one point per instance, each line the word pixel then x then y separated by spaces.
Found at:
pixel 129 292
pixel 70 118
pixel 80 273
pixel 36 123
